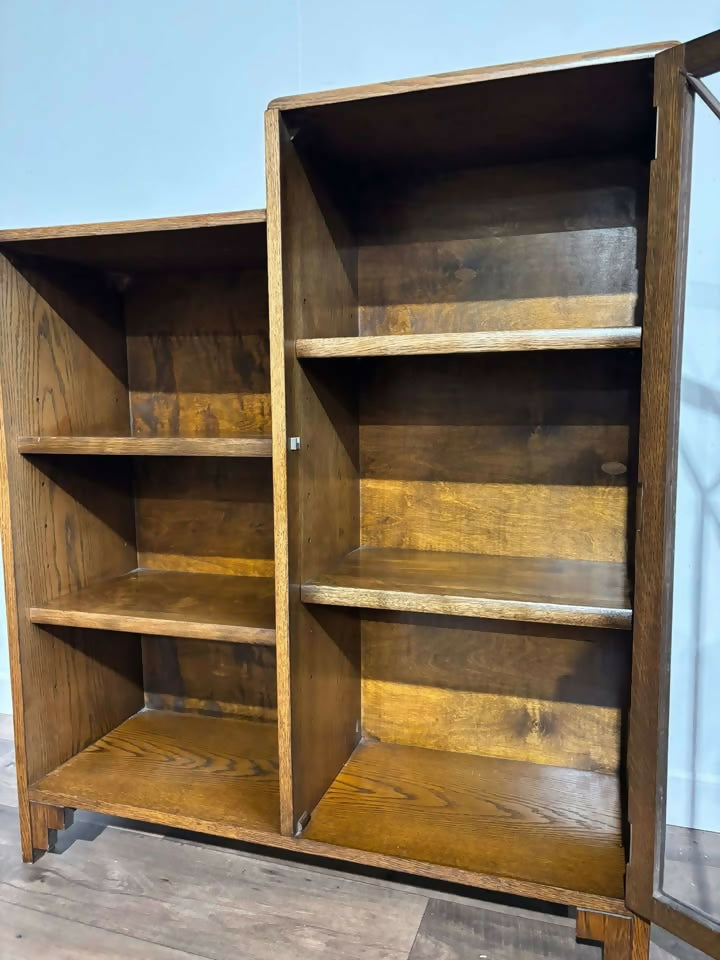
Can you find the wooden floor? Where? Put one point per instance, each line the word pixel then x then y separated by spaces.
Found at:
pixel 112 892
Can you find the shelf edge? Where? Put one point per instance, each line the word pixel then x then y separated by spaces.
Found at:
pixel 227 633
pixel 495 341
pixel 463 606
pixel 147 446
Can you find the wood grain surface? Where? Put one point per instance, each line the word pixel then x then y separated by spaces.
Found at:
pixel 211 678
pixel 521 691
pixel 504 588
pixel 62 371
pixel 199 605
pixel 519 820
pixel 137 246
pixel 316 489
pixel 204 515
pixel 149 446
pixel 565 62
pixel 480 342
pixel 204 773
pixel 198 361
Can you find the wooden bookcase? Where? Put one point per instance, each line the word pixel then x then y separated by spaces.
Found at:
pixel 139 522
pixel 474 296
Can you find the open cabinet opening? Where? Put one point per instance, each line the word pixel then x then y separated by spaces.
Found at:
pixel 142 440
pixel 465 309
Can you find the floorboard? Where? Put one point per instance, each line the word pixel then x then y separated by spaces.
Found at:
pixel 25 934
pixel 455 931
pixel 8 782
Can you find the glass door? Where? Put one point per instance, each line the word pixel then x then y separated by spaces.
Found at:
pixel 674 752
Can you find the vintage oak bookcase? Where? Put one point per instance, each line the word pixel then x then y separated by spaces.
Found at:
pixel 471 353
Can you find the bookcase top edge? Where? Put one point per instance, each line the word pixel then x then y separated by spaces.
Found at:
pixel 474 75
pixel 116 227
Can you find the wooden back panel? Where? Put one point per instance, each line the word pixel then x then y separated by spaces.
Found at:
pixel 548 245
pixel 510 455
pixel 552 695
pixel 198 354
pixel 215 679
pixel 205 515
pixel 62 370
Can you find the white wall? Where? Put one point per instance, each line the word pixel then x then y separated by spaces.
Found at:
pixel 131 108
pixel 694 758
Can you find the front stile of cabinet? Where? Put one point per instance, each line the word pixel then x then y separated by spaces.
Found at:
pixel 667 252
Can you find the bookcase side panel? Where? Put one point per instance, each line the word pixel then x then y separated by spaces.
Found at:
pixel 64 526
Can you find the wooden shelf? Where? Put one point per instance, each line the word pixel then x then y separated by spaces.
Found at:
pixel 203 606
pixel 150 446
pixel 214 774
pixel 544 590
pixel 490 341
pixel 553 826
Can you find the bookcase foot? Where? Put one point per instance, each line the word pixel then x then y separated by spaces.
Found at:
pixel 45 821
pixel 622 938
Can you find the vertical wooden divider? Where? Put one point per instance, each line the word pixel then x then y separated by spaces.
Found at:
pixel 316 487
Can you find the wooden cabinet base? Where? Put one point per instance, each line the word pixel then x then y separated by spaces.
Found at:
pixel 622 937
pixel 45 821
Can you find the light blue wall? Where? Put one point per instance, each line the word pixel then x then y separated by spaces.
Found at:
pixel 694 758
pixel 144 108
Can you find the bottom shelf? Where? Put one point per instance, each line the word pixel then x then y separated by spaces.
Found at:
pixel 212 774
pixel 523 821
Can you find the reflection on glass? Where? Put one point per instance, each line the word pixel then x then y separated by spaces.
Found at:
pixel 691 867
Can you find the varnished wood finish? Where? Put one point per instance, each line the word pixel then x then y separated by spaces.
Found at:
pixel 215 775
pixel 439 343
pixel 201 515
pixel 622 938
pixel 149 446
pixel 702 55
pixel 438 252
pixel 316 492
pixel 544 590
pixel 46 821
pixel 198 362
pixel 115 227
pixel 211 678
pixel 202 606
pixel 525 821
pixel 664 299
pixel 129 246
pixel 62 371
pixel 519 691
pixel 501 71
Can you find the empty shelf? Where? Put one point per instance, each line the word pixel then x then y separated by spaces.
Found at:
pixel 150 446
pixel 489 341
pixel 215 774
pixel 203 606
pixel 545 590
pixel 553 826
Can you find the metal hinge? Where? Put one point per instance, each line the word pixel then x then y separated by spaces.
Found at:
pixel 294 443
pixel 657 131
pixel 639 503
pixel 303 821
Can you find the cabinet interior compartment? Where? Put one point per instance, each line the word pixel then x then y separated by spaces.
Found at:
pixel 139 448
pixel 464 294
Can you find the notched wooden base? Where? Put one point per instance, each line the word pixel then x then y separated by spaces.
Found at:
pixel 45 821
pixel 622 937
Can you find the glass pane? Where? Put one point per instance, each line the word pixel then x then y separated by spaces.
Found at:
pixel 690 871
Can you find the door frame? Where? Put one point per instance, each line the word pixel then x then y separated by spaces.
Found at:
pixel 665 273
